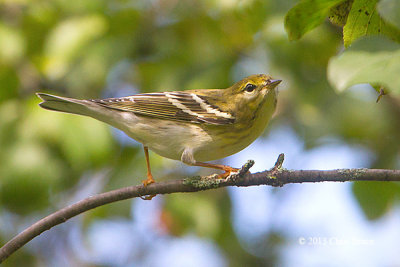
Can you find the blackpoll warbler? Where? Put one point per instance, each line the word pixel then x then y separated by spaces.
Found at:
pixel 191 126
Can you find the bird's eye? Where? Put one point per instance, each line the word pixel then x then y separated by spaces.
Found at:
pixel 250 87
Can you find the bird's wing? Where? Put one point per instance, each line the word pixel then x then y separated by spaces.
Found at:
pixel 177 106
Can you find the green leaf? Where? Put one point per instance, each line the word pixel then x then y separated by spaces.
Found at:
pixel 338 14
pixel 307 15
pixel 363 20
pixel 375 198
pixel 374 60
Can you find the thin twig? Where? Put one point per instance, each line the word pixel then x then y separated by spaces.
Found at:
pixel 381 94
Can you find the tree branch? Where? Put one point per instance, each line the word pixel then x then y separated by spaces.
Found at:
pixel 274 177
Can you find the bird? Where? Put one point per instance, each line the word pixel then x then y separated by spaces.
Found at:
pixel 193 126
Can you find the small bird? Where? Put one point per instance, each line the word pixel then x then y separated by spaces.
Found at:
pixel 192 126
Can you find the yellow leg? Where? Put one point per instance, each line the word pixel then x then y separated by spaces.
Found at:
pixel 227 169
pixel 149 179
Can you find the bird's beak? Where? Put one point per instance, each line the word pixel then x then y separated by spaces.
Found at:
pixel 275 82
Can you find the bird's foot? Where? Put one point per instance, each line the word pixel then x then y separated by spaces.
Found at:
pixel 149 180
pixel 228 170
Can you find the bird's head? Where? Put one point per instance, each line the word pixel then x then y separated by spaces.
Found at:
pixel 250 94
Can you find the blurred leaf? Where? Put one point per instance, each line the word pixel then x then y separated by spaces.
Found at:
pixel 363 20
pixel 67 39
pixel 38 21
pixel 373 60
pixel 357 120
pixel 375 198
pixel 390 10
pixel 9 82
pixel 194 212
pixel 84 141
pixel 11 44
pixel 28 176
pixel 8 120
pixel 307 15
pixel 124 21
pixel 20 258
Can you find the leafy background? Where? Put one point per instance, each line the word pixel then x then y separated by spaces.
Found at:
pixel 95 48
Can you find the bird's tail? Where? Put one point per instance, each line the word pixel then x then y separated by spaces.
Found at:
pixel 64 104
